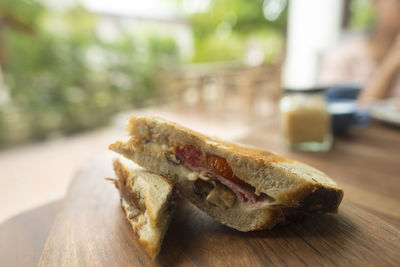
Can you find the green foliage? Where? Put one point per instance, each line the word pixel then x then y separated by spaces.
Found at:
pixel 23 11
pixel 362 15
pixel 215 49
pixel 222 31
pixel 64 78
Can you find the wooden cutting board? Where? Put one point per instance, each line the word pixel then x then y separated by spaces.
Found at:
pixel 91 230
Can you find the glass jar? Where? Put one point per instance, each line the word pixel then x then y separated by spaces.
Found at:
pixel 305 120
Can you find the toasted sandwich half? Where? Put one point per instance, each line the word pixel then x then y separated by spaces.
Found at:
pixel 242 187
pixel 147 201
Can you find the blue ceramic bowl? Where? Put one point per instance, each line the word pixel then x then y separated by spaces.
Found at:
pixel 344 109
pixel 346 114
pixel 342 92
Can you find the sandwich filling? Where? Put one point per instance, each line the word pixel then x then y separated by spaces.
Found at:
pixel 218 172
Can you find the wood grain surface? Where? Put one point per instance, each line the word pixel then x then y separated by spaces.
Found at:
pixel 91 230
pixel 365 162
pixel 22 237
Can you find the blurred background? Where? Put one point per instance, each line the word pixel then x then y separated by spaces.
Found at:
pixel 68 66
pixel 72 71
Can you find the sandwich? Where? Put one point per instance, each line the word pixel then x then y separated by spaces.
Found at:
pixel 147 200
pixel 240 186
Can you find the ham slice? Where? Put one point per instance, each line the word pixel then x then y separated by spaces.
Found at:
pixel 217 168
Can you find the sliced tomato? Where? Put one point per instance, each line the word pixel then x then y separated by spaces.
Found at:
pixel 191 156
pixel 219 168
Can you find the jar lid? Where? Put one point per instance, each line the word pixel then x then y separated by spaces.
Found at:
pixel 305 90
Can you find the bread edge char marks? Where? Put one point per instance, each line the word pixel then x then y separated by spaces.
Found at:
pixel 308 191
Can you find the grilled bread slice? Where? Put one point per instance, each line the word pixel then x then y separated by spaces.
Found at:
pixel 242 187
pixel 147 201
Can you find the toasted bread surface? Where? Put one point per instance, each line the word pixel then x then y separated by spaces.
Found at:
pixel 147 201
pixel 294 188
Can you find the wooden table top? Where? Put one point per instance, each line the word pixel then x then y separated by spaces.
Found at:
pixel 91 230
pixel 365 163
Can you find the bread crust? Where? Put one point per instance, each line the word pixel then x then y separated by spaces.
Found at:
pixel 296 188
pixel 138 210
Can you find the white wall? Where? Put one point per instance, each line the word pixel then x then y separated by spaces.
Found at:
pixel 313 27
